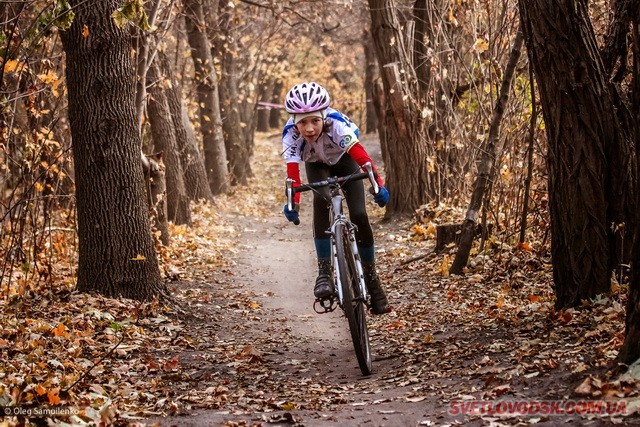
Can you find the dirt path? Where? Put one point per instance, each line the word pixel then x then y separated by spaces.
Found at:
pixel 284 268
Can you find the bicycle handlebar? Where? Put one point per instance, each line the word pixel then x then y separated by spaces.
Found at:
pixel 329 181
pixel 291 190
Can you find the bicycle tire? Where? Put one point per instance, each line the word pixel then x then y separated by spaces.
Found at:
pixel 353 304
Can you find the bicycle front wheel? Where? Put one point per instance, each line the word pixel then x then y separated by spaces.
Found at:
pixel 353 304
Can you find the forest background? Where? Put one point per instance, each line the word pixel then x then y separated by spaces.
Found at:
pixel 183 88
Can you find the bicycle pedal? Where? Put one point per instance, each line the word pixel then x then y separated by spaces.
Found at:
pixel 325 305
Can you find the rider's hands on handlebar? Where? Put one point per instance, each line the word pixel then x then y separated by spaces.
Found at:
pixel 292 215
pixel 382 198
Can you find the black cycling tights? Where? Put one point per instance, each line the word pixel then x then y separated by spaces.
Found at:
pixel 354 195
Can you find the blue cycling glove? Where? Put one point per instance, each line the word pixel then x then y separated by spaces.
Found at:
pixel 382 198
pixel 292 215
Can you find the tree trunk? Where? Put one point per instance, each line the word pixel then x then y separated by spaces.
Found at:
pixel 164 141
pixel 195 175
pixel 421 57
pixel 275 115
pixel 115 246
pixel 157 194
pixel 238 150
pixel 486 168
pixel 435 70
pixel 590 159
pixel 533 123
pixel 630 350
pixel 407 170
pixel 615 48
pixel 215 156
pixel 371 75
pixel 265 91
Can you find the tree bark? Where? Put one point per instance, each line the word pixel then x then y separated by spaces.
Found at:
pixel 164 141
pixel 486 168
pixel 157 194
pixel 590 157
pixel 371 75
pixel 195 175
pixel 615 50
pixel 115 246
pixel 630 350
pixel 275 115
pixel 215 156
pixel 265 91
pixel 407 170
pixel 238 149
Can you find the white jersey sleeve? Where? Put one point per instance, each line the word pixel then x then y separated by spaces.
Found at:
pixel 291 143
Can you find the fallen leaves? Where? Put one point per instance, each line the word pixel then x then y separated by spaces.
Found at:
pixel 60 331
pixel 495 324
pixel 491 333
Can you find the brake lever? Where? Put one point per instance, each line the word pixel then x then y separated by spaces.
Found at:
pixel 369 168
pixel 289 186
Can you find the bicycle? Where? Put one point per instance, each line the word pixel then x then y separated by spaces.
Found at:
pixel 351 292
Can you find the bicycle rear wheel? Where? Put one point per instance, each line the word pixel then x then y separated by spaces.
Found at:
pixel 353 303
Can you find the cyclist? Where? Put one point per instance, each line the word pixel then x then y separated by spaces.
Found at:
pixel 327 141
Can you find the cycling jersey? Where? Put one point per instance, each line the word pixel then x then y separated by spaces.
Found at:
pixel 338 136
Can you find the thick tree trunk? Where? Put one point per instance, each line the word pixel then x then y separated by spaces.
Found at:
pixel 630 351
pixel 238 149
pixel 164 141
pixel 116 252
pixel 195 175
pixel 590 159
pixel 215 156
pixel 407 170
